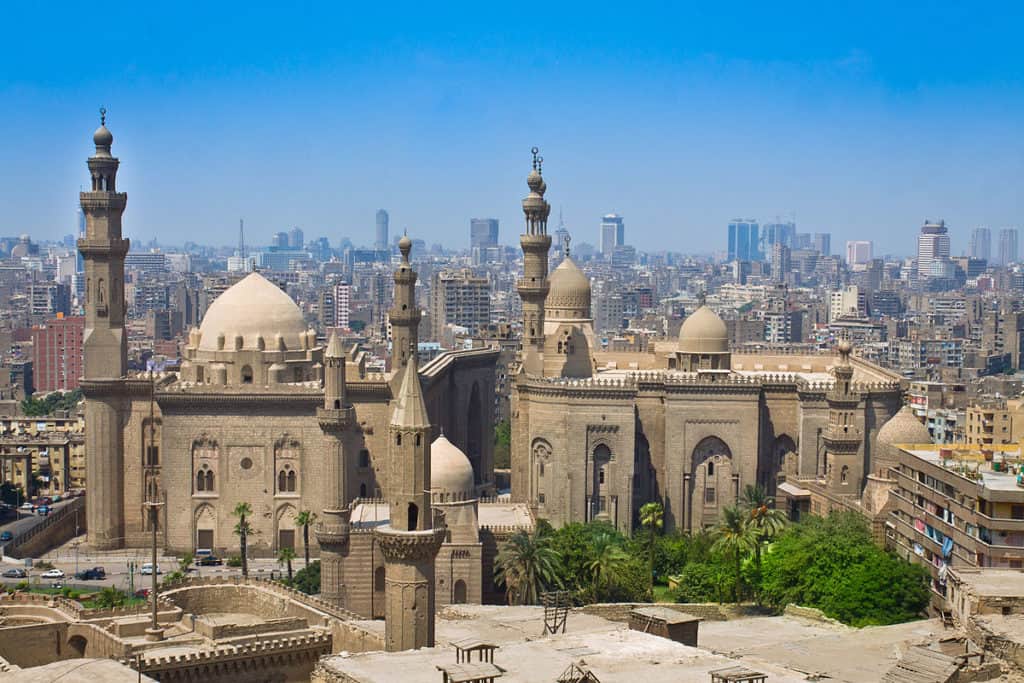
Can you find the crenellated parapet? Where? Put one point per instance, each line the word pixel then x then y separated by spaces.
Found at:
pixel 243 659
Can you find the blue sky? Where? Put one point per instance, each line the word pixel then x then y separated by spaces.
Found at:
pixel 862 119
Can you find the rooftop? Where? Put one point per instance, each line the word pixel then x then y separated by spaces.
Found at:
pixel 996 467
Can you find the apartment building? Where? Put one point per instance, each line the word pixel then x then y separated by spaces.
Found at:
pixel 994 421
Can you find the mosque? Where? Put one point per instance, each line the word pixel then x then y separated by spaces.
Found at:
pixel 596 434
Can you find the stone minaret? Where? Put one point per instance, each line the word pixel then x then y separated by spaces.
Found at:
pixel 411 541
pixel 842 436
pixel 404 315
pixel 332 531
pixel 533 288
pixel 105 344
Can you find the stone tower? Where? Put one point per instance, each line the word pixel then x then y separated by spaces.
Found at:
pixel 533 288
pixel 404 315
pixel 412 539
pixel 105 344
pixel 842 436
pixel 332 531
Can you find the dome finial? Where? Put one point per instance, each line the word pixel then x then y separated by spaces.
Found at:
pixel 702 298
pixel 103 115
pixel 537 160
pixel 566 240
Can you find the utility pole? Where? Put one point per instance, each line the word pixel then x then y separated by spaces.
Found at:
pixel 154 632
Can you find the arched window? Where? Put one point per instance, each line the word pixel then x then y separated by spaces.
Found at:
pixel 378 579
pixel 398 439
pixel 291 481
pixel 459 597
pixel 246 374
pixel 414 515
pixel 209 480
pixel 711 469
pixel 282 481
pixel 362 490
pixel 337 404
pixel 844 474
pixel 364 458
pixel 417 439
pixel 200 481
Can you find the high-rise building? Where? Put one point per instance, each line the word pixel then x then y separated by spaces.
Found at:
pixel 49 299
pixel 823 243
pixel 981 244
pixel 279 240
pixel 296 240
pixel 859 252
pixel 781 262
pixel 744 243
pixel 57 353
pixel 776 233
pixel 381 241
pixel 932 247
pixel 459 298
pixel 849 302
pixel 613 234
pixel 483 240
pixel 336 305
pixel 1007 246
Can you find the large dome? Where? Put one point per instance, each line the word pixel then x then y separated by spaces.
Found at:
pixel 903 427
pixel 703 332
pixel 569 293
pixel 254 307
pixel 451 473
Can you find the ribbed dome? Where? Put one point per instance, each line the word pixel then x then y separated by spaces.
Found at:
pixel 569 293
pixel 254 307
pixel 450 471
pixel 703 332
pixel 903 427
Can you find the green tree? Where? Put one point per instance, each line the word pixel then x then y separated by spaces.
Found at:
pixel 765 521
pixel 243 528
pixel 527 565
pixel 702 582
pixel 652 519
pixel 109 597
pixel 734 538
pixel 833 564
pixel 305 518
pixel 285 557
pixel 307 579
pixel 607 564
pixel 503 444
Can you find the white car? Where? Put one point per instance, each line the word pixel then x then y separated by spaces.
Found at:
pixel 52 574
pixel 28 506
pixel 147 569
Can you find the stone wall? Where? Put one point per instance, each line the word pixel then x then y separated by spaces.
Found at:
pixel 59 527
pixel 35 645
pixel 619 611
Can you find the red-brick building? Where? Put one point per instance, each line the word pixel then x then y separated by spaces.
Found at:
pixel 57 353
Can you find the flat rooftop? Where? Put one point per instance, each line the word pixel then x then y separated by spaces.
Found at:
pixel 787 649
pixel 965 460
pixel 993 583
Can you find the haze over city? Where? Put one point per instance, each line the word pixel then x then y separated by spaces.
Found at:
pixel 861 121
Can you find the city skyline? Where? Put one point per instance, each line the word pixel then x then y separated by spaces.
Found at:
pixel 857 137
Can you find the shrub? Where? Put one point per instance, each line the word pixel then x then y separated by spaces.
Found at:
pixel 307 579
pixel 234 561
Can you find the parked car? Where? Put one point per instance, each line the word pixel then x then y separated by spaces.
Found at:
pixel 209 561
pixel 15 574
pixel 27 506
pixel 46 501
pixel 94 574
pixel 52 574
pixel 6 536
pixel 142 593
pixel 43 510
pixel 147 569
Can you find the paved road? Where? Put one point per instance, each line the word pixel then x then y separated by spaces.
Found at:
pixel 30 519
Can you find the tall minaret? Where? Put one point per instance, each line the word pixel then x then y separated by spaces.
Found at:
pixel 410 541
pixel 404 314
pixel 533 288
pixel 105 344
pixel 842 436
pixel 332 531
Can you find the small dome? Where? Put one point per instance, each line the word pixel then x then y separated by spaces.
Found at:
pixel 405 243
pixel 252 308
pixel 903 427
pixel 703 332
pixel 569 293
pixel 450 471
pixel 103 137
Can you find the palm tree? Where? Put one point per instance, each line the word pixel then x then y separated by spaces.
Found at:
pixel 763 518
pixel 652 518
pixel 607 562
pixel 305 518
pixel 285 556
pixel 734 538
pixel 243 511
pixel 527 564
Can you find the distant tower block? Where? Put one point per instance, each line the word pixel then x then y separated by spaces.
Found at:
pixel 411 540
pixel 105 344
pixel 381 241
pixel 533 287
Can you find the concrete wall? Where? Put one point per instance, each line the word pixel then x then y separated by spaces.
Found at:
pixel 59 527
pixel 35 645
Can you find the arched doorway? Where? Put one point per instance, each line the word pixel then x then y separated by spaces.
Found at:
pixel 459 593
pixel 475 432
pixel 600 481
pixel 78 645
pixel 285 523
pixel 713 482
pixel 783 465
pixel 205 527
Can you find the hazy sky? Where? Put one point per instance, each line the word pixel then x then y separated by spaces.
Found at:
pixel 861 119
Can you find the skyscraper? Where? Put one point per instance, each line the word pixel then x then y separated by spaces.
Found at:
pixel 743 240
pixel 776 233
pixel 859 252
pixel 932 246
pixel 483 232
pixel 613 234
pixel 981 244
pixel 381 241
pixel 823 243
pixel 296 240
pixel 1007 246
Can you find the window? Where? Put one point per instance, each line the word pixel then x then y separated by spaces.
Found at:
pixel 291 481
pixel 600 476
pixel 711 469
pixel 417 439
pixel 844 474
pixel 364 458
pixel 362 490
pixel 709 495
pixel 246 374
pixel 209 480
pixel 398 439
pixel 542 469
pixel 540 498
pixel 414 514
